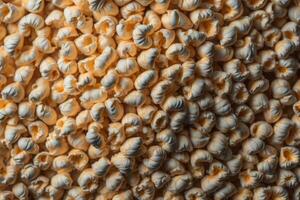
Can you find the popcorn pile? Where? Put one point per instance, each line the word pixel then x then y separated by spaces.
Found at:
pixel 149 99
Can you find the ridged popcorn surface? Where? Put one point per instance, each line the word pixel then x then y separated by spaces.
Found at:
pixel 149 100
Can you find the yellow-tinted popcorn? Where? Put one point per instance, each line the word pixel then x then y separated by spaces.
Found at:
pixel 149 99
pixel 174 19
pixel 61 181
pixel 160 7
pixel 88 180
pixel 20 191
pixel 237 135
pixel 160 178
pixel 43 160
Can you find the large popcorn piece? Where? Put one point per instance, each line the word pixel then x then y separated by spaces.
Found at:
pixel 149 99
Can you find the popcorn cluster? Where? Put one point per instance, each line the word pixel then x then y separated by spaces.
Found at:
pixel 149 99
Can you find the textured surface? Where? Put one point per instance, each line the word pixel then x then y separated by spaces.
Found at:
pixel 149 99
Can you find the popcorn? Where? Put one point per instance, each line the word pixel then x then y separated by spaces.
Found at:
pixel 149 99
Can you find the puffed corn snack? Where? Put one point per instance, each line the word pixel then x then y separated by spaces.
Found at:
pixel 149 99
